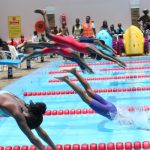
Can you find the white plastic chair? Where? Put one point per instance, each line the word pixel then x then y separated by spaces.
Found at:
pixel 13 51
pixel 5 55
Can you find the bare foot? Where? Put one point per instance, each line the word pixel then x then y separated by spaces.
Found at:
pixel 64 78
pixel 40 11
pixel 73 70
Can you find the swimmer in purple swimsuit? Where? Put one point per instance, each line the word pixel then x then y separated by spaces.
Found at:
pixel 95 101
pixel 98 104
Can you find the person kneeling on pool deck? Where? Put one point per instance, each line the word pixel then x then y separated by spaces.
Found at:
pixel 95 101
pixel 27 116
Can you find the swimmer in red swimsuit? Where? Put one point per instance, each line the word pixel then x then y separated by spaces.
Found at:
pixel 53 47
pixel 85 48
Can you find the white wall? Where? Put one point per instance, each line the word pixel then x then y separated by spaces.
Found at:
pixel 113 11
pixel 145 4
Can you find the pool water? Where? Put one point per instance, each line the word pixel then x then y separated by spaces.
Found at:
pixel 87 128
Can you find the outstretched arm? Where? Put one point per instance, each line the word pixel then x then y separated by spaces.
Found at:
pixel 21 121
pixel 105 56
pixel 45 137
pixel 105 46
pixel 35 45
pixel 34 54
pixel 81 63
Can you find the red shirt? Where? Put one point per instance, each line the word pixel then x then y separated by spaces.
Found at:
pixel 13 43
pixel 21 41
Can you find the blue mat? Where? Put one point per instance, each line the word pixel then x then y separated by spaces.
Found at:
pixel 9 62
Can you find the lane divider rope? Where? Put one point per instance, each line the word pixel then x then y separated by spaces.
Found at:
pixel 107 78
pixel 91 111
pixel 105 90
pixel 137 145
pixel 107 63
pixel 108 69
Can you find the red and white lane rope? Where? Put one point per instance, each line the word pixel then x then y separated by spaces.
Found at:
pixel 137 145
pixel 91 111
pixel 108 69
pixel 104 90
pixel 107 78
pixel 107 63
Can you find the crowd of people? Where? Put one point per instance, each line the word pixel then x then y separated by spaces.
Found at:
pixel 85 29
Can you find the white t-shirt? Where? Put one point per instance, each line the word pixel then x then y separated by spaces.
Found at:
pixel 35 39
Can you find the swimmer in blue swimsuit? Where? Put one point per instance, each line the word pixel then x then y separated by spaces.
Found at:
pixel 27 116
pixel 95 101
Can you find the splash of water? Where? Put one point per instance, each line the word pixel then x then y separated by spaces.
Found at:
pixel 137 119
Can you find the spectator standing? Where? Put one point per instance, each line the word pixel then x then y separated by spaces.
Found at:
pixel 112 30
pixel 76 29
pixel 88 28
pixel 35 37
pixel 64 29
pixel 120 29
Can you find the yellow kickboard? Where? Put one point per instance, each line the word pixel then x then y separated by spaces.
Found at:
pixel 133 41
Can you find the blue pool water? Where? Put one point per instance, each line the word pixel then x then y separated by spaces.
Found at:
pixel 81 128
